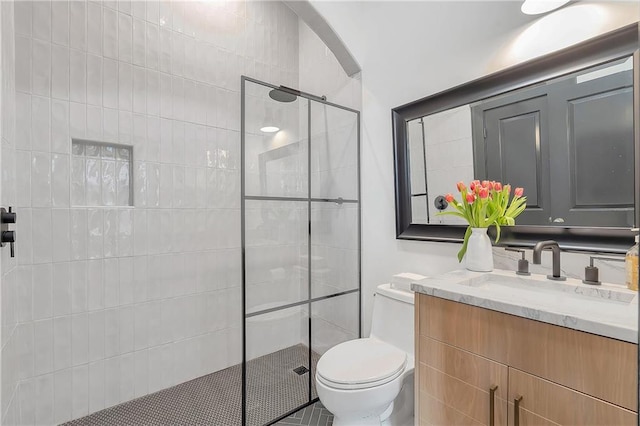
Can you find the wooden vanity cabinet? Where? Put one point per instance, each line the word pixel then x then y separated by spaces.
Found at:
pixel 472 361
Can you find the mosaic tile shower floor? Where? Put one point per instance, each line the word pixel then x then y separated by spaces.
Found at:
pixel 273 388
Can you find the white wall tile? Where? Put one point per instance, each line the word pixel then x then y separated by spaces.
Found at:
pixel 43 398
pixel 110 225
pixel 41 236
pixel 111 381
pixel 25 347
pixel 79 391
pixel 96 335
pixel 77 120
pixel 78 25
pixel 79 339
pixel 60 22
pixel 62 343
pixel 107 71
pixel 23 178
pixel 23 121
pixel 60 166
pixel 40 68
pixel 96 386
pixel 62 395
pixel 40 123
pixel 110 33
pixel 78 75
pixel 79 235
pixel 125 86
pixel 43 346
pixel 95 285
pixel 78 271
pixel 60 141
pixel 125 37
pixel 23 11
pixel 61 286
pixel 94 28
pixel 41 16
pixel 59 71
pixel 111 333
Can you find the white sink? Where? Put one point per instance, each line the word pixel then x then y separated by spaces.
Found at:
pixel 608 310
pixel 508 284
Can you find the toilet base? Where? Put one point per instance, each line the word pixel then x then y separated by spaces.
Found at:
pixel 365 421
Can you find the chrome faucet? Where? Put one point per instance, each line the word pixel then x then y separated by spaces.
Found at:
pixel 555 248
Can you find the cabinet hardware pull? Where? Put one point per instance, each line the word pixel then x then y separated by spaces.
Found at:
pixel 516 410
pixel 492 403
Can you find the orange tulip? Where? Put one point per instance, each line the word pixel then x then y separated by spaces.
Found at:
pixel 449 198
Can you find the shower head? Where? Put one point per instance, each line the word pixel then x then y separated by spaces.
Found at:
pixel 282 96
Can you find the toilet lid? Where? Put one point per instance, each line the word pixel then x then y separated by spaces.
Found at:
pixel 360 363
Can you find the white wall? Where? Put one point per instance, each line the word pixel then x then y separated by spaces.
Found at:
pixel 114 302
pixel 9 273
pixel 104 304
pixel 409 50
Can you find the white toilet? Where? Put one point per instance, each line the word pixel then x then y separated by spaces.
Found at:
pixel 369 381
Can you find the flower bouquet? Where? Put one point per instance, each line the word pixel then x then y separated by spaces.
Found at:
pixel 484 204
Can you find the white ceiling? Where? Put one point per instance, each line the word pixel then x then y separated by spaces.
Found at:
pixel 447 42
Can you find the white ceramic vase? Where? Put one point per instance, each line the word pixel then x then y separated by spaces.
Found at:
pixel 479 256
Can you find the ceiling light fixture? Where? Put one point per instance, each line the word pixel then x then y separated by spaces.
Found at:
pixel 536 7
pixel 269 129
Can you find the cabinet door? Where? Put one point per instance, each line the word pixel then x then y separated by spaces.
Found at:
pixel 546 403
pixel 455 387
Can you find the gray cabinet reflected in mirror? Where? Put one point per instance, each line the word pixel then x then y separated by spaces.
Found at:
pixel 562 127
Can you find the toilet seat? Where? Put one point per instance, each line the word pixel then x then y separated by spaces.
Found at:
pixel 360 364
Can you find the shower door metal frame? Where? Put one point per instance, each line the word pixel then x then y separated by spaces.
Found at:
pixel 243 197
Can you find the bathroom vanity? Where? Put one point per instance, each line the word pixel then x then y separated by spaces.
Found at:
pixel 500 349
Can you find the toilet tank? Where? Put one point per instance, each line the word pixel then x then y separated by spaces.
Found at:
pixel 393 317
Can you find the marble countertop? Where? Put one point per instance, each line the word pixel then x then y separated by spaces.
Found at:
pixel 607 310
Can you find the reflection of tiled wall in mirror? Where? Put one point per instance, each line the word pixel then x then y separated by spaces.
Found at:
pixel 449 155
pixel 419 212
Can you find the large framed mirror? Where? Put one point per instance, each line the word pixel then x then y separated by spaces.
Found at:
pixel 564 127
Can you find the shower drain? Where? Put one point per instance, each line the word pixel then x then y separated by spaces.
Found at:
pixel 300 370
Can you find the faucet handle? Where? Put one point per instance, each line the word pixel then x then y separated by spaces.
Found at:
pixel 523 264
pixel 591 272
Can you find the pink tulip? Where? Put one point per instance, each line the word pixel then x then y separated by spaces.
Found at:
pixel 518 192
pixel 508 188
pixel 471 198
pixel 497 186
pixel 484 193
pixel 449 198
pixel 461 186
pixel 485 183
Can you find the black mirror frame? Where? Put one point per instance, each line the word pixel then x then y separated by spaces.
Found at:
pixel 614 45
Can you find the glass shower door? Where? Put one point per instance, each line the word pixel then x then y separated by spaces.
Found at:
pixel 300 239
pixel 335 227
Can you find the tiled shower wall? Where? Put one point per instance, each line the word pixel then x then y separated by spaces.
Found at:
pixel 8 270
pixel 116 302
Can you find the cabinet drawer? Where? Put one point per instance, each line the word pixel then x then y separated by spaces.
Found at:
pixel 547 403
pixel 475 370
pixel 598 366
pixel 435 412
pixel 459 382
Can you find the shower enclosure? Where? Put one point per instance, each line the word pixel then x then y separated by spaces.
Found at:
pixel 300 208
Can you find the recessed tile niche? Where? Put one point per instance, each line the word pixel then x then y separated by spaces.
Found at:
pixel 101 174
